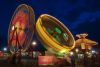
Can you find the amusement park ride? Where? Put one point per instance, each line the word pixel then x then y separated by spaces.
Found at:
pixel 52 33
pixel 21 29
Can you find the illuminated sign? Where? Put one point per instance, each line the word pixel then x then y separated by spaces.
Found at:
pixel 45 60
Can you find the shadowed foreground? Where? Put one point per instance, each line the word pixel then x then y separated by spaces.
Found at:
pixel 29 64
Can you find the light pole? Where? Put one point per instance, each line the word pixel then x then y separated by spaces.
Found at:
pixel 72 59
pixel 34 44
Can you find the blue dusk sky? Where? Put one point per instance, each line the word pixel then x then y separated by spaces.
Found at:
pixel 80 16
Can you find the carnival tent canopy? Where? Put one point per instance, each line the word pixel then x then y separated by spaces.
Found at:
pixel 83 39
pixel 87 41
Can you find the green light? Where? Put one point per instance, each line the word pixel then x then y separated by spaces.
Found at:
pixel 58 30
pixel 65 36
pixel 57 38
pixel 49 30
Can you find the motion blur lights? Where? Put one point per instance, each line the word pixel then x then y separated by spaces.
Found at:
pixel 64 51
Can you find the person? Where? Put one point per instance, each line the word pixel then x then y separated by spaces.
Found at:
pixel 85 62
pixel 73 61
pixel 19 56
pixel 14 59
pixel 93 59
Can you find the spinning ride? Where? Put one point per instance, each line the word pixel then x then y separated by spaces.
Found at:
pixel 54 35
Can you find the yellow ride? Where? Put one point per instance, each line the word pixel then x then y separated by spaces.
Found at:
pixel 54 35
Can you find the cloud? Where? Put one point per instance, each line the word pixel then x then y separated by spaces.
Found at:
pixel 85 17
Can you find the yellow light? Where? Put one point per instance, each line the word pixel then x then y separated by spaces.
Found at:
pixel 63 51
pixel 71 53
pixel 77 50
pixel 17 24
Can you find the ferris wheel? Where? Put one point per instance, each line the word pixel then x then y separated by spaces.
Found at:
pixel 21 29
